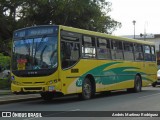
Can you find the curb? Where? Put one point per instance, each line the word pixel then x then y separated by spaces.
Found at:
pixel 12 100
pixel 5 93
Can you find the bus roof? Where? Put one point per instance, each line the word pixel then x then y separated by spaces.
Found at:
pixel 88 32
pixel 104 35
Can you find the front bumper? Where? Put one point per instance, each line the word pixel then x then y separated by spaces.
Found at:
pixel 32 89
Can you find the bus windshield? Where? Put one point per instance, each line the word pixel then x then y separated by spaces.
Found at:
pixel 35 53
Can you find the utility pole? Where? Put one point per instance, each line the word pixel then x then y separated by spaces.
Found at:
pixel 134 22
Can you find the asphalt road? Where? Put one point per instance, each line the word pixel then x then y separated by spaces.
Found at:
pixel 147 100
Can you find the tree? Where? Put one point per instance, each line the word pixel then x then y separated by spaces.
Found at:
pixel 85 14
pixel 8 14
pixel 4 61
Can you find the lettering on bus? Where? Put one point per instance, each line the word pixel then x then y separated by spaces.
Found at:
pixel 35 31
pixel 40 31
pixel 75 70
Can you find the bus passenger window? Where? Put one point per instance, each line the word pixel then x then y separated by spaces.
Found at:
pixel 116 49
pixel 128 51
pixel 88 47
pixel 153 53
pixel 147 53
pixel 138 51
pixel 103 51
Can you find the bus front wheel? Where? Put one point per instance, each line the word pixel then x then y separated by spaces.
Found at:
pixel 47 96
pixel 86 89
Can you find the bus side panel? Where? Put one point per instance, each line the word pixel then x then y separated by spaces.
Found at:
pixel 122 74
pixel 104 72
pixel 73 77
pixel 68 81
pixel 108 75
pixel 126 78
pixel 150 69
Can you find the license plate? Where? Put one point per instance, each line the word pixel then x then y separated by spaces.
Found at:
pixel 51 88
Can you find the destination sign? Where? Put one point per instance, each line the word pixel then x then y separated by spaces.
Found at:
pixel 35 31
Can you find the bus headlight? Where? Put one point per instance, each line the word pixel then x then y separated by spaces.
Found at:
pixel 52 81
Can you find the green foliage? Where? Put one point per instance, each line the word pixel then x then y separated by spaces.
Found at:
pixel 4 84
pixel 4 61
pixel 85 14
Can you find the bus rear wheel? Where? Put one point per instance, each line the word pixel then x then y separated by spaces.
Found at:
pixel 137 85
pixel 86 90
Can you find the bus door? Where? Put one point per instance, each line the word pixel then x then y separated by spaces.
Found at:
pixel 70 55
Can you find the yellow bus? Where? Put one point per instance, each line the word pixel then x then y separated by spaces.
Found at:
pixel 57 60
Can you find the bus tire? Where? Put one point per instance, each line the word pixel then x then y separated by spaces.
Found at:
pixel 137 85
pixel 47 96
pixel 86 90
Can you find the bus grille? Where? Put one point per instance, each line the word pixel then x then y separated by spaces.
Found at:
pixel 27 82
pixel 33 82
pixel 33 88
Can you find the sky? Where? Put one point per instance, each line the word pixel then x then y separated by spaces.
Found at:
pixel 146 13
